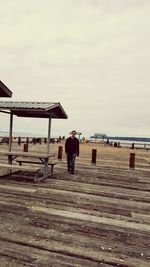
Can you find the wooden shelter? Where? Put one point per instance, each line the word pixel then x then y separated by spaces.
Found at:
pixel 47 110
pixel 4 91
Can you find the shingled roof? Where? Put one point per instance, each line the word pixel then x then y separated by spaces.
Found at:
pixel 4 91
pixel 34 109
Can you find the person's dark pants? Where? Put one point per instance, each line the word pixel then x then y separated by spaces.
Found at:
pixel 71 162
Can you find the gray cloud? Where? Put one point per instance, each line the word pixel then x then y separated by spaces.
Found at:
pixel 92 56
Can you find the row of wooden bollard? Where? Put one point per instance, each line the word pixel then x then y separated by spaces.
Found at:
pixel 131 159
pixel 94 155
pixel 60 150
pixel 34 141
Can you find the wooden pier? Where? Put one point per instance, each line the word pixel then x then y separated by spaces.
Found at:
pixel 98 217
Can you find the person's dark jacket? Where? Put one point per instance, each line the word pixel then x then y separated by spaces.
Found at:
pixel 72 146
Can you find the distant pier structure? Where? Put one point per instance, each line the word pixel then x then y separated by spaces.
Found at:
pixel 99 136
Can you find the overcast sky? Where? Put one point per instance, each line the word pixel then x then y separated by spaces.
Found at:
pixel 92 56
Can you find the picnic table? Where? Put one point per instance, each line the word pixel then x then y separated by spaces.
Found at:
pixel 29 158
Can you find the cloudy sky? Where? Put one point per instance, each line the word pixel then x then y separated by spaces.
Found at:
pixel 92 56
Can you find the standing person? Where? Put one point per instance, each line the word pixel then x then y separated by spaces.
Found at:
pixel 72 150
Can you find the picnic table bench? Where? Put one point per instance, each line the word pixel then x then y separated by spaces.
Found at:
pixel 51 163
pixel 30 158
pixel 18 167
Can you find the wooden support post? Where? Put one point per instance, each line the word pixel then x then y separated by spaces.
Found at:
pixel 49 135
pixel 27 140
pixel 132 147
pixel 132 161
pixel 25 147
pixel 60 152
pixel 10 132
pixel 94 154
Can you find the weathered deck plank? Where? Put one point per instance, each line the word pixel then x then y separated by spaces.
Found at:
pixel 99 217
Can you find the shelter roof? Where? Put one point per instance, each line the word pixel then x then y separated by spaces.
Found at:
pixel 4 91
pixel 34 109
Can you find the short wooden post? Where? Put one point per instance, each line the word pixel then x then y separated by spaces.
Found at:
pixel 115 144
pixel 19 141
pixel 25 147
pixel 60 152
pixel 27 140
pixel 132 147
pixel 33 140
pixel 132 161
pixel 94 154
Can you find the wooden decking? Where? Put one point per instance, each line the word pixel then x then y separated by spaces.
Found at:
pixel 98 217
pixel 18 167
